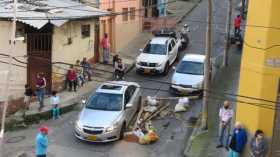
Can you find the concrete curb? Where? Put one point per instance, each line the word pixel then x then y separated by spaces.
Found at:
pixel 194 133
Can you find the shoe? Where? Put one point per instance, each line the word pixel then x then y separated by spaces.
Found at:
pixel 227 148
pixel 219 146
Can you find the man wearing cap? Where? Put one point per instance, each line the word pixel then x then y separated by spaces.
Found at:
pixel 42 142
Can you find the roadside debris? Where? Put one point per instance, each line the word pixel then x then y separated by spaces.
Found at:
pixel 182 105
pixel 143 131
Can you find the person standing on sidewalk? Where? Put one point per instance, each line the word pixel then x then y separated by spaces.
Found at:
pixel 237 24
pixel 86 69
pixel 41 143
pixel 238 140
pixel 225 116
pixel 55 102
pixel 105 46
pixel 80 75
pixel 72 78
pixel 28 93
pixel 258 145
pixel 40 89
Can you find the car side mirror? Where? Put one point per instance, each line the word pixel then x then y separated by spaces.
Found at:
pixel 140 50
pixel 128 105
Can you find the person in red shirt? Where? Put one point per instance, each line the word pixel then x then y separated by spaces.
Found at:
pixel 72 78
pixel 105 46
pixel 237 23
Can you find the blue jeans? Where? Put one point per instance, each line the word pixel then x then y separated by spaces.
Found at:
pixel 40 92
pixel 223 134
pixel 233 153
pixel 55 112
pixel 105 55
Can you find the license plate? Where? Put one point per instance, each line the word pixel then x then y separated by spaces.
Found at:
pixel 184 92
pixel 91 138
pixel 146 71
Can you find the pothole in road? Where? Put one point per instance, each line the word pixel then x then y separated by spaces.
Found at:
pixel 15 139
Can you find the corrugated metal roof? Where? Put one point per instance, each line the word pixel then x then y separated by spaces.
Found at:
pixel 37 13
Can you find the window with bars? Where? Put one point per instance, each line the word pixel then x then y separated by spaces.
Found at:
pixel 125 14
pixel 85 31
pixel 132 13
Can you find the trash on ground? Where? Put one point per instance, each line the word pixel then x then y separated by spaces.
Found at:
pixel 150 108
pixel 182 105
pixel 131 137
pixel 152 101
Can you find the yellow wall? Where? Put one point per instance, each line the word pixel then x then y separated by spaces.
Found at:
pixel 258 78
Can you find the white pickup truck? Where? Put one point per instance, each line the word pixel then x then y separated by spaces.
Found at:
pixel 158 55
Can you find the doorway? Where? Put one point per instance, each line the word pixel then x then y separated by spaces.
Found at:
pixel 39 51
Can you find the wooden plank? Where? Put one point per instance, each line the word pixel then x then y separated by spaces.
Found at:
pixel 139 114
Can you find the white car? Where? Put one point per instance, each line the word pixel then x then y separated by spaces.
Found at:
pixel 188 77
pixel 158 55
pixel 108 112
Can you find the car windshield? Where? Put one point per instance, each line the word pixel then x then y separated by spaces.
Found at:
pixel 155 49
pixel 187 67
pixel 105 101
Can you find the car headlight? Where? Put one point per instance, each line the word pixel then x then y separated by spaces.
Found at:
pixel 79 125
pixel 173 82
pixel 111 128
pixel 198 85
pixel 158 64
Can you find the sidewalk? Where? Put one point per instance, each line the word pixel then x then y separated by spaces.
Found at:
pixel 203 144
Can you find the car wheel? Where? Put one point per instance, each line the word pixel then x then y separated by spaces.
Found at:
pixel 122 131
pixel 166 69
pixel 139 103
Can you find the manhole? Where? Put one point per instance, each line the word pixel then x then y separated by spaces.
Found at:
pixel 15 139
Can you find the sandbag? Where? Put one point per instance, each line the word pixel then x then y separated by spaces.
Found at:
pixel 182 105
pixel 151 101
pixel 145 139
pixel 180 108
pixel 153 136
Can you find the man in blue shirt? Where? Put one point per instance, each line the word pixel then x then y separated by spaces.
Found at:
pixel 238 140
pixel 42 142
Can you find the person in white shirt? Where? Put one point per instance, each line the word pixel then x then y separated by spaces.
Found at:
pixel 225 116
pixel 55 101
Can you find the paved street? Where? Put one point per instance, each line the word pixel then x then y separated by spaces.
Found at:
pixel 172 139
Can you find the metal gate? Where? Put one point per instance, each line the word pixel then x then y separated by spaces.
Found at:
pixel 39 48
pixel 275 151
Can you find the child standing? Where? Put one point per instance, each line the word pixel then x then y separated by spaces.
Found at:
pixel 55 101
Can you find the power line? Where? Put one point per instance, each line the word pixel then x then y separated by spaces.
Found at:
pixel 164 82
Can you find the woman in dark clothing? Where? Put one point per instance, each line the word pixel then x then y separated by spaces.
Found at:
pixel 258 145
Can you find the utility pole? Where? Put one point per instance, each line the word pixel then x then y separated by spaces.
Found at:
pixel 243 6
pixel 207 67
pixel 228 30
pixel 8 78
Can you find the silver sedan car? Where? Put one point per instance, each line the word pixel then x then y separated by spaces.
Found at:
pixel 108 111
